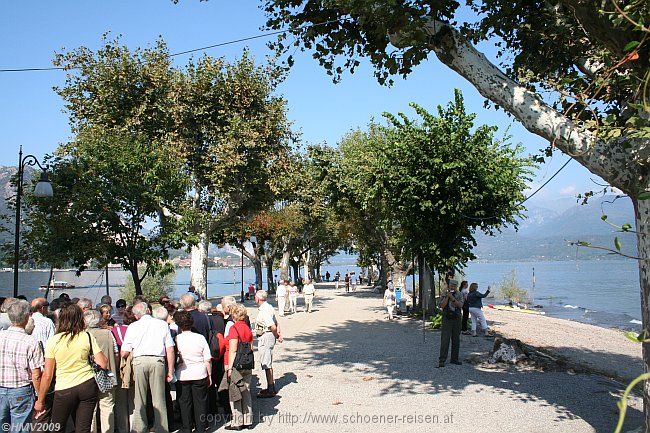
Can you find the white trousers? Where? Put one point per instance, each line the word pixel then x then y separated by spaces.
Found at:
pixel 477 314
pixel 293 299
pixel 391 309
pixel 282 301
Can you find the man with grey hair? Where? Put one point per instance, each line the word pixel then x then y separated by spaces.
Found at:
pixel 268 332
pixel 150 343
pixel 201 323
pixel 161 313
pixel 43 326
pixel 5 323
pixel 21 360
pixel 85 304
pixel 106 300
pixel 452 307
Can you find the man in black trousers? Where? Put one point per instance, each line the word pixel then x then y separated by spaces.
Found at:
pixel 452 307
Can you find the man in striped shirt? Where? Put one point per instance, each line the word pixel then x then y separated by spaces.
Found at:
pixel 21 360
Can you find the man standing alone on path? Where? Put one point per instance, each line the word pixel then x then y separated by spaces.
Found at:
pixel 451 306
pixel 151 344
pixel 43 327
pixel 267 330
pixel 309 292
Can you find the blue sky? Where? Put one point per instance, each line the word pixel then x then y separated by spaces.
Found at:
pixel 31 32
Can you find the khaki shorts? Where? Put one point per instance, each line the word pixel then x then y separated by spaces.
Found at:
pixel 266 343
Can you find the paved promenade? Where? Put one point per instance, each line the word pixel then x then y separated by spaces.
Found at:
pixel 345 368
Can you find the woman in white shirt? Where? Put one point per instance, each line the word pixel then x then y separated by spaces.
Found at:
pixel 193 371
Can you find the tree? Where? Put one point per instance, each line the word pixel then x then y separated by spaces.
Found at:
pixel 153 287
pixel 109 189
pixel 592 58
pixel 233 132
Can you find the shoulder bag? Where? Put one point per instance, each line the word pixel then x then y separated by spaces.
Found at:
pixel 104 378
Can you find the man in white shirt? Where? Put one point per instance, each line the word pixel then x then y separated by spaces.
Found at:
pixel 267 330
pixel 43 327
pixel 309 290
pixel 152 347
pixel 281 296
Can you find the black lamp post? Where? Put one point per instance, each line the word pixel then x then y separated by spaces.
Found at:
pixel 43 189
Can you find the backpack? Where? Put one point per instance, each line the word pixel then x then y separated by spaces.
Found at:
pixel 245 358
pixel 214 342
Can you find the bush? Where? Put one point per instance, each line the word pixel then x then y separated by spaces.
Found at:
pixel 510 289
pixel 436 321
pixel 153 286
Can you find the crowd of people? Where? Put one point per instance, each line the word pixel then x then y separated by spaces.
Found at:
pixel 114 368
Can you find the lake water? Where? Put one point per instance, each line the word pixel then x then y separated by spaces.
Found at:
pixel 601 292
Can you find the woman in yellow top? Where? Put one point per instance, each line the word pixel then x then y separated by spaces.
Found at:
pixel 67 353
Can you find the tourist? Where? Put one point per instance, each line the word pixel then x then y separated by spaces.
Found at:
pixel 389 300
pixel 226 303
pixel 475 302
pixel 309 290
pixel 107 319
pixel 201 323
pixel 164 300
pixel 194 372
pixel 293 297
pixel 152 347
pixel 465 291
pixel 21 360
pixel 251 291
pixel 138 299
pixel 337 280
pixel 108 346
pixel 327 276
pixel 281 296
pixel 218 328
pixel 192 291
pixel 43 326
pixel 105 300
pixel 268 332
pixel 242 407
pixel 118 316
pixel 353 282
pixel 85 304
pixel 66 361
pixel 5 322
pixel 451 306
pixel 125 392
pixel 347 282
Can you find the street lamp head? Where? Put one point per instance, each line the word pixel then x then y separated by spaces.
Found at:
pixel 253 240
pixel 43 187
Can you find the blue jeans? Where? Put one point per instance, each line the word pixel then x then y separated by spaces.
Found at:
pixel 16 406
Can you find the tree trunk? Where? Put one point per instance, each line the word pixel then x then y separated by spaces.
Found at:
pixel 642 213
pixel 306 259
pixel 199 266
pixel 284 265
pixel 137 284
pixel 270 284
pixel 317 272
pixel 257 264
pixel 383 272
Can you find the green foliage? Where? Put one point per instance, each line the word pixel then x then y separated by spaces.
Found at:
pixel 510 290
pixel 436 321
pixel 153 286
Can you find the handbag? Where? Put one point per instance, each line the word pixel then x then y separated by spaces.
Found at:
pixel 245 358
pixel 104 378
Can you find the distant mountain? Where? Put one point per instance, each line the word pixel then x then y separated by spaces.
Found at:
pixel 545 233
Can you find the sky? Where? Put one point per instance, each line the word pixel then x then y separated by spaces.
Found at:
pixel 32 114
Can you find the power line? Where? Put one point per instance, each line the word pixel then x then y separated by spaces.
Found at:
pixel 527 198
pixel 180 53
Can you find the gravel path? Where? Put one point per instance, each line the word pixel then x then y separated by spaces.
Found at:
pixel 345 368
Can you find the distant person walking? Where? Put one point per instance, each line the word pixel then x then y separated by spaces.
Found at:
pixel 353 282
pixel 281 295
pixel 475 303
pixel 347 283
pixel 464 290
pixel 309 291
pixel 389 300
pixel 451 305
pixel 293 297
pixel 337 281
